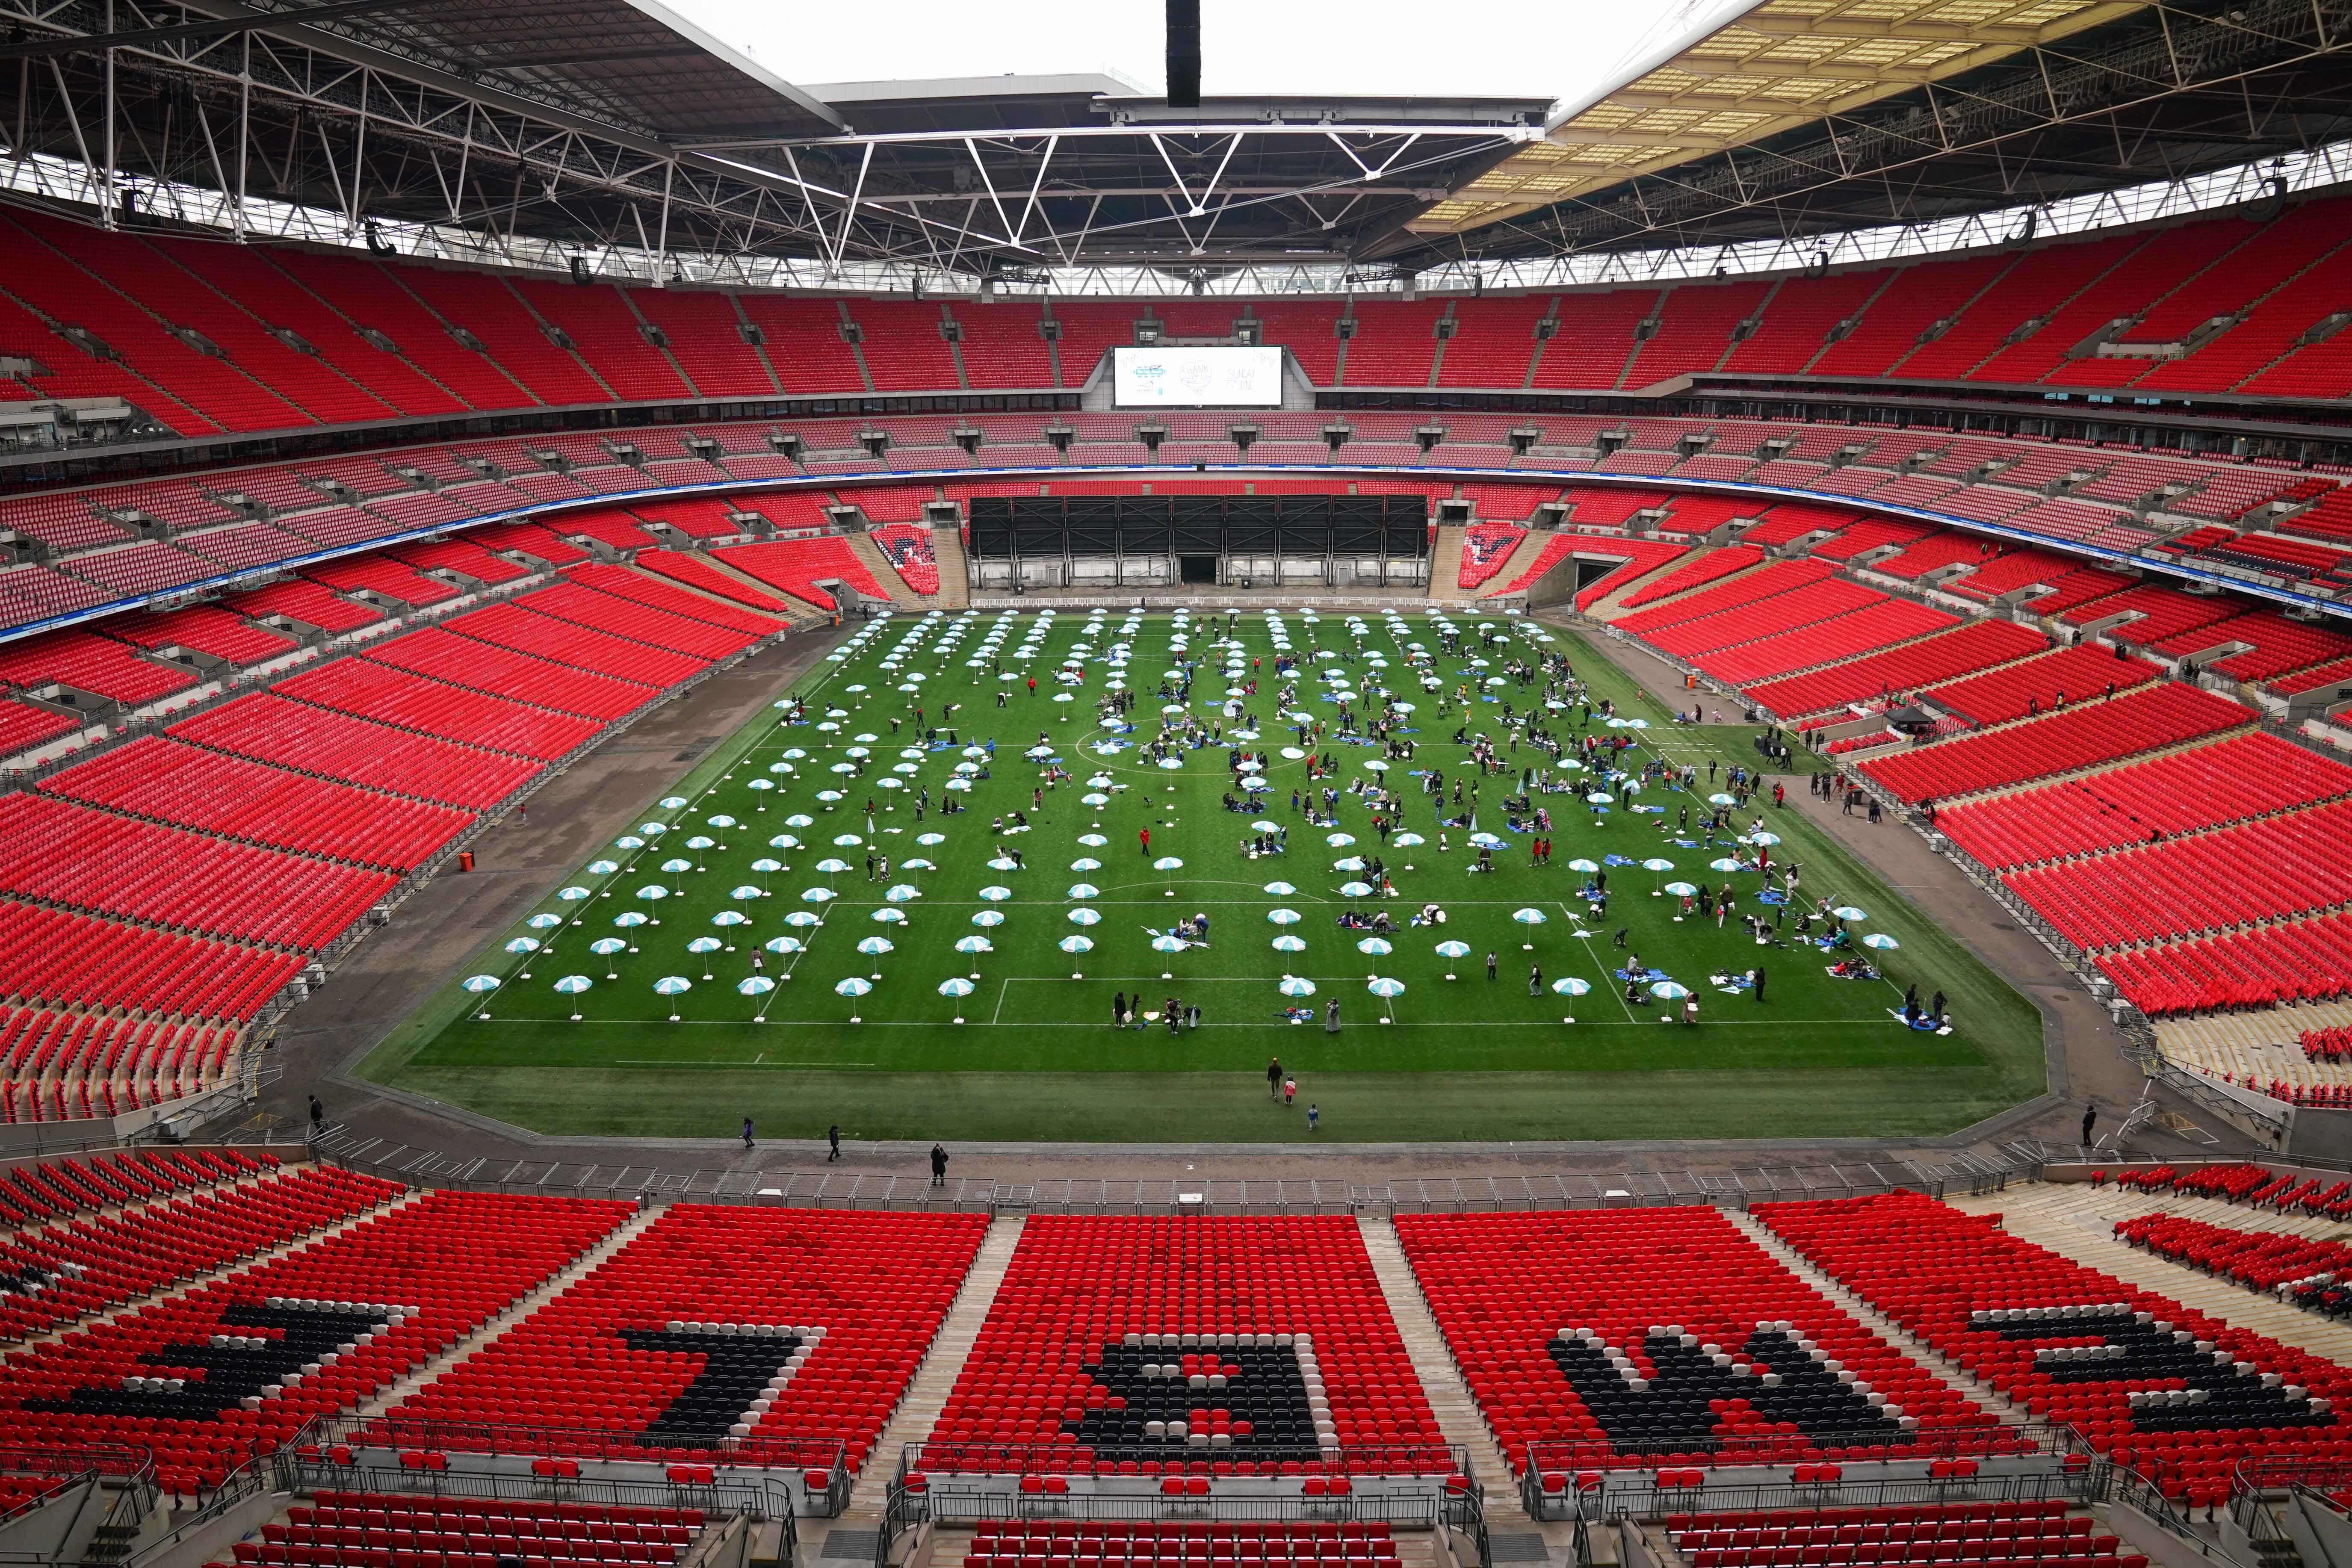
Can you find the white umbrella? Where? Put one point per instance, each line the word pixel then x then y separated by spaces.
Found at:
pixel 1084 916
pixel 1082 891
pixel 744 891
pixel 852 987
pixel 754 985
pixel 958 989
pixel 833 865
pixel 595 869
pixel 629 918
pixel 1354 890
pixel 523 944
pixel 1529 917
pixel 1295 985
pixel 1880 940
pixel 1584 865
pixel 731 918
pixel 816 894
pixel 785 944
pixel 1338 840
pixel 1286 942
pixel 801 918
pixel 1667 991
pixel 847 840
pixel 1409 840
pixel 1085 863
pixel 888 917
pixel 988 918
pixel 1449 951
pixel 1572 986
pixel 1379 947
pixel 1719 798
pixel 1093 840
pixel 543 921
pixel 675 864
pixel 478 984
pixel 1280 890
pixel 672 986
pixel 996 894
pixel 928 840
pixel 1848 913
pixel 1283 917
pixel 604 945
pixel 1168 863
pixel 902 892
pixel 573 984
pixel 1724 863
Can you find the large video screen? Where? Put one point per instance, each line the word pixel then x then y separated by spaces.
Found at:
pixel 1196 377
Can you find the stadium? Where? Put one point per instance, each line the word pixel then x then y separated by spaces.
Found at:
pixel 1596 828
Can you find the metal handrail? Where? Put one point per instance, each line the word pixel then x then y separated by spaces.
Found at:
pixel 1991 1441
pixel 433 1434
pixel 1602 1503
pixel 1018 1459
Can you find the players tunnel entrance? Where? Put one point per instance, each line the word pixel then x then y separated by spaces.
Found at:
pixel 1196 568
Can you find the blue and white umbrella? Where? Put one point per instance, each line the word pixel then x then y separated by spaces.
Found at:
pixel 672 986
pixel 785 944
pixel 1848 913
pixel 1280 890
pixel 705 945
pixel 1283 917
pixel 996 895
pixel 573 984
pixel 731 918
pixel 1286 942
pixel 478 984
pixel 1379 947
pixel 1354 890
pixel 754 985
pixel 1880 940
pixel 988 918
pixel 1572 986
pixel 1382 986
pixel 1084 916
pixel 1082 891
pixel 816 894
pixel 1295 985
pixel 523 944
pixel 1529 917
pixel 1668 991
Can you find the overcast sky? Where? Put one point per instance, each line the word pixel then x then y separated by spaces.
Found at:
pixel 1558 50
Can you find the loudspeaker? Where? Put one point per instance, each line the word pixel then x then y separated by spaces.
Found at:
pixel 580 270
pixel 1183 54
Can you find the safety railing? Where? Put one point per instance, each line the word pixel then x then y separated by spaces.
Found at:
pixel 730 1492
pixel 749 1454
pixel 938 1461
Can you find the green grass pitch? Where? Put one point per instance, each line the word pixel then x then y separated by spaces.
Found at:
pixel 1035 1056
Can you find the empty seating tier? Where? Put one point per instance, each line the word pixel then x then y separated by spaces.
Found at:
pixel 460 661
pixel 76 1269
pixel 2043 684
pixel 2291 961
pixel 1898 671
pixel 1089 1356
pixel 795 566
pixel 2153 1385
pixel 429 707
pixel 2306 1270
pixel 2085 735
pixel 2255 871
pixel 1652 1336
pixel 372 1530
pixel 358 1308
pixel 189 786
pixel 50 1189
pixel 271 729
pixel 1012 1543
pixel 1929 1535
pixel 2204 786
pixel 769 1335
pixel 116 865
pixel 1486 546
pixel 61 960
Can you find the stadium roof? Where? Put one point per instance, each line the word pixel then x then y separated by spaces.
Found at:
pixel 614 125
pixel 1777 65
pixel 1796 116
